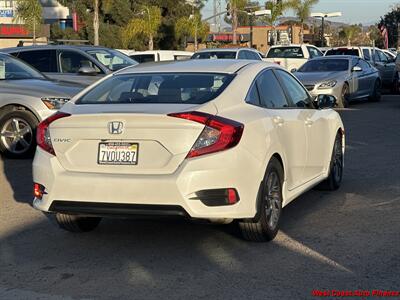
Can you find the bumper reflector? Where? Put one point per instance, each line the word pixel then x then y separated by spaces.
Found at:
pixel 38 190
pixel 217 197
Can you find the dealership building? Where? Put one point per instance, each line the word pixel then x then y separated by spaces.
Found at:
pixel 12 31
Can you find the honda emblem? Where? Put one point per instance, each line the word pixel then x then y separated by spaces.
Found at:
pixel 115 127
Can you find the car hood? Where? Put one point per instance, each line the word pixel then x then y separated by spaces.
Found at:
pixel 318 77
pixel 40 88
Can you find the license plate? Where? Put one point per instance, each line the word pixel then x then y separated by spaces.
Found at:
pixel 118 153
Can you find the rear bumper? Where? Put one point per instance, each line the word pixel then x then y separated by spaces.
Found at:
pixel 116 210
pixel 125 194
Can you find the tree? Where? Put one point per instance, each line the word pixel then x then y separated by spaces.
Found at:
pixel 392 23
pixel 351 32
pixel 277 9
pixel 30 13
pixel 96 5
pixel 192 27
pixel 234 7
pixel 302 8
pixel 147 24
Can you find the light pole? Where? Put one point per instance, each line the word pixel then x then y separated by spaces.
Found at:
pixel 323 16
pixel 253 14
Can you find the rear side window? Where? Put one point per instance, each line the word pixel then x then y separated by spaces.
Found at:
pixel 178 88
pixel 271 93
pixel 343 51
pixel 252 96
pixel 42 60
pixel 367 55
pixel 71 62
pixel 142 58
pixel 285 52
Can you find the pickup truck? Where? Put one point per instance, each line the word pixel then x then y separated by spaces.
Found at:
pixel 292 57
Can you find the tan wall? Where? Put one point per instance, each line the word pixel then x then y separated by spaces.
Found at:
pixel 12 42
pixel 260 34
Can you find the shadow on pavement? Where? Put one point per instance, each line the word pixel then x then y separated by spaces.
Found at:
pixel 18 173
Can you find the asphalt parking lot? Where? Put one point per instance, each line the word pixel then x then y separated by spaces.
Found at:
pixel 344 240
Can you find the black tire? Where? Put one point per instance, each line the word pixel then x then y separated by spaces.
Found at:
pixel 335 177
pixel 75 223
pixel 377 93
pixel 344 97
pixel 26 122
pixel 266 224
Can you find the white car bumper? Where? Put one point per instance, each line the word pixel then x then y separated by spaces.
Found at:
pixel 235 168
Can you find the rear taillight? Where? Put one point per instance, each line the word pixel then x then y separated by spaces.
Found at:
pixel 43 138
pixel 218 134
pixel 278 62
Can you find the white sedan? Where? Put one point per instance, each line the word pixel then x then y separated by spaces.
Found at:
pixel 224 140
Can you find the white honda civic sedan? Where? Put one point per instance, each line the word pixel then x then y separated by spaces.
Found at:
pixel 225 140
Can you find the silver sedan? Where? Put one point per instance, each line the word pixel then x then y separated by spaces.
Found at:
pixel 347 78
pixel 26 98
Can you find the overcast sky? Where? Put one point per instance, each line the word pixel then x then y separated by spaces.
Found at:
pixel 354 11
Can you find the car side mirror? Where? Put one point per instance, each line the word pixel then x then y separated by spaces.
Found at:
pixel 294 70
pixel 356 69
pixel 325 101
pixel 87 71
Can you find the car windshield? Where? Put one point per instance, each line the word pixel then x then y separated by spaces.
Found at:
pixel 182 88
pixel 112 59
pixel 285 52
pixel 325 65
pixel 215 55
pixel 13 69
pixel 343 51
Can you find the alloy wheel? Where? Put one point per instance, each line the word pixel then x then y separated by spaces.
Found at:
pixel 273 199
pixel 16 135
pixel 337 167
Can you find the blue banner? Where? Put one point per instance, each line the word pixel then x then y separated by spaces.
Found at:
pixel 6 13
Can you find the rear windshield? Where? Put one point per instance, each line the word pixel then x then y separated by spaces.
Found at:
pixel 325 65
pixel 215 55
pixel 353 52
pixel 183 88
pixel 285 52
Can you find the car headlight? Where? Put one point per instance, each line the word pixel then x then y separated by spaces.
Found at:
pixel 54 103
pixel 327 85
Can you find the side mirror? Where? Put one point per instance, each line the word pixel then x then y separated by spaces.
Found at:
pixel 356 69
pixel 87 71
pixel 294 70
pixel 325 101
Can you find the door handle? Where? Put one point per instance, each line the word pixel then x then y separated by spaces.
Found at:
pixel 278 121
pixel 309 122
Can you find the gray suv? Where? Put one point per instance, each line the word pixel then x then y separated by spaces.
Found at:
pixel 82 64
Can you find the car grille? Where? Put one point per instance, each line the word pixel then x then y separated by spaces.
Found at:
pixel 309 87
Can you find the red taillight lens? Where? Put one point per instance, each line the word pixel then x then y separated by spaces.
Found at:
pixel 43 138
pixel 38 190
pixel 278 62
pixel 218 134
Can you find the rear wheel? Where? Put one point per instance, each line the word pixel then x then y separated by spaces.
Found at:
pixel 17 133
pixel 266 226
pixel 344 97
pixel 336 167
pixel 74 223
pixel 377 93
